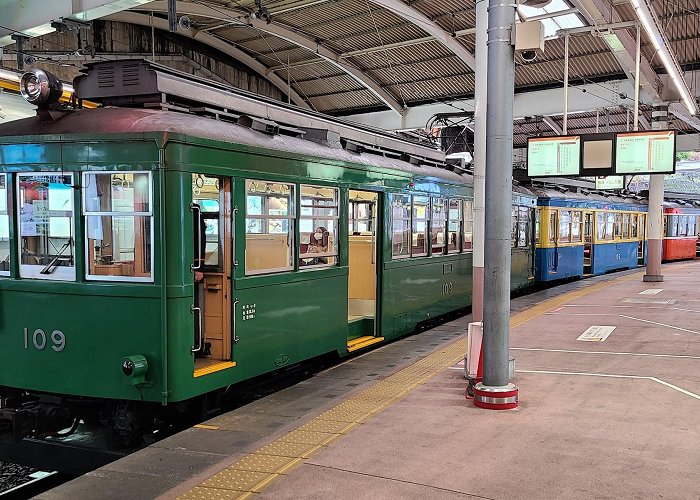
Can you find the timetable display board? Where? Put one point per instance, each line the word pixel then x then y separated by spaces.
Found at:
pixel 648 152
pixel 553 156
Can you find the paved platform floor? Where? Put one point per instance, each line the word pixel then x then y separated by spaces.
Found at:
pixel 611 419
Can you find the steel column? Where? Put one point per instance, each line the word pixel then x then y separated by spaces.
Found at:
pixel 480 96
pixel 495 392
pixel 637 63
pixel 565 123
pixel 659 121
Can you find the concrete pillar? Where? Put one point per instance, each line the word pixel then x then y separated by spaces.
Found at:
pixel 659 121
pixel 495 392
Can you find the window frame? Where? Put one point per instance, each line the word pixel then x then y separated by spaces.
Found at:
pixel 467 222
pixel 336 218
pixel 404 205
pixel 460 226
pixel 291 230
pixel 444 202
pixel 70 275
pixel 426 219
pixel 8 213
pixel 85 214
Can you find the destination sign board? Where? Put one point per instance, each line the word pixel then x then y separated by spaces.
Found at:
pixel 610 182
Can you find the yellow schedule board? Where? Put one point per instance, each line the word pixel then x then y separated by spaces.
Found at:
pixel 553 156
pixel 648 152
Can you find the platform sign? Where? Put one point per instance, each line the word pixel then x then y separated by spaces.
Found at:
pixel 610 182
pixel 553 156
pixel 596 333
pixel 648 152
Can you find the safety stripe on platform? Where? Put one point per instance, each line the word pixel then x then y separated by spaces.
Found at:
pixel 255 471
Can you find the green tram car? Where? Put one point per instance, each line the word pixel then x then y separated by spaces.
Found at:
pixel 173 242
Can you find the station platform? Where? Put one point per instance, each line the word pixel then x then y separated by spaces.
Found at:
pixel 610 418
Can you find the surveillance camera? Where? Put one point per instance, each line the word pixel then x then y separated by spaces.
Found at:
pixel 29 60
pixel 528 55
pixel 184 22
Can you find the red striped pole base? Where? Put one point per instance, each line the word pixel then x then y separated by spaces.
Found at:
pixel 496 397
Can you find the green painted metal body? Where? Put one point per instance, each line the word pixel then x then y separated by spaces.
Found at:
pixel 299 314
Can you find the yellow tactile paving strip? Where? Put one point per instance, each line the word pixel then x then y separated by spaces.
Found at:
pixel 255 471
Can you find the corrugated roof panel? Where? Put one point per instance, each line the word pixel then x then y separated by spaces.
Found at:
pixel 329 85
pixel 347 100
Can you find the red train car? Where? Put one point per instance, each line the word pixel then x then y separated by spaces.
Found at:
pixel 681 228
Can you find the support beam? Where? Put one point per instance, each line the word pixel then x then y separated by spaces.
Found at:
pixel 681 112
pixel 216 43
pixel 549 121
pixel 415 17
pixel 600 12
pixel 582 98
pixel 293 37
pixel 33 17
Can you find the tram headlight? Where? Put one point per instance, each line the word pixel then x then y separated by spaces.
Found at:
pixel 40 88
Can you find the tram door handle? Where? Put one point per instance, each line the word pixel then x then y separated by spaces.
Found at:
pixel 197 212
pixel 374 235
pixel 200 328
pixel 233 233
pixel 233 327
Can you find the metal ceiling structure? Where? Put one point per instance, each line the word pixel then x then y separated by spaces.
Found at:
pixel 396 63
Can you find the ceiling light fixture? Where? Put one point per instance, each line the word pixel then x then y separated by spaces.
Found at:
pixel 650 22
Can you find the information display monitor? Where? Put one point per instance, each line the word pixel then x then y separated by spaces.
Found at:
pixel 648 152
pixel 553 156
pixel 610 182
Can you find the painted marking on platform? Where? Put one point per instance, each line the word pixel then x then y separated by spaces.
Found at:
pixel 574 351
pixel 612 375
pixel 644 300
pixel 660 324
pixel 596 333
pixel 207 427
pixel 651 291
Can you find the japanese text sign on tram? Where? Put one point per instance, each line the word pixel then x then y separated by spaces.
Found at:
pixel 553 156
pixel 648 152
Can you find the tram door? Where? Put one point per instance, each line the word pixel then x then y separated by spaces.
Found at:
pixel 362 278
pixel 588 224
pixel 642 235
pixel 211 216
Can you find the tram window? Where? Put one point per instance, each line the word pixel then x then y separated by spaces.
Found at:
pixel 47 246
pixel 4 228
pixel 625 225
pixel 419 225
pixel 318 226
pixel 454 225
pixel 118 223
pixel 633 225
pixel 600 225
pixel 552 227
pixel 206 193
pixel 513 227
pixel 438 227
pixel 564 226
pixel 618 225
pixel 269 227
pixel 401 225
pixel 523 226
pixel 360 216
pixel 576 226
pixel 691 225
pixel 671 225
pixel 537 225
pixel 609 225
pixel 468 225
pixel 683 226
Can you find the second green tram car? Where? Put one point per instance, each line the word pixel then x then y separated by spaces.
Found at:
pixel 152 256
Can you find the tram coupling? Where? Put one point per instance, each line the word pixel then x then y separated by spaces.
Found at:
pixel 21 418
